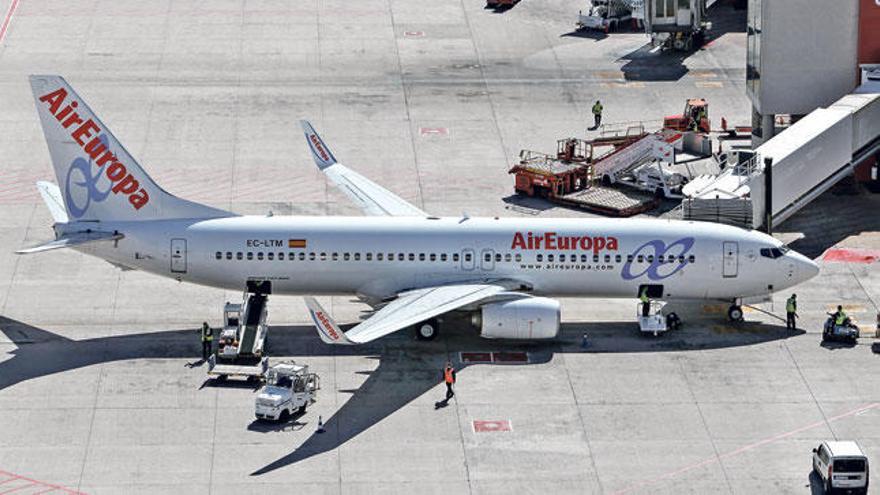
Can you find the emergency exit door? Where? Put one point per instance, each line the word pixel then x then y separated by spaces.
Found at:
pixel 178 255
pixel 731 259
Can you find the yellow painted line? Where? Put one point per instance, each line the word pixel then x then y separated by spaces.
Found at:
pixel 709 84
pixel 705 74
pixel 609 74
pixel 629 84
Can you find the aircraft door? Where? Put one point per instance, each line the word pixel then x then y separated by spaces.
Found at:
pixel 467 259
pixel 731 259
pixel 178 255
pixel 487 260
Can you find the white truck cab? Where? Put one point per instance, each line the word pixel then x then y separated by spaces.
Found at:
pixel 842 467
pixel 289 389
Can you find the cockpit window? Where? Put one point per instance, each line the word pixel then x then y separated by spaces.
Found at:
pixel 774 253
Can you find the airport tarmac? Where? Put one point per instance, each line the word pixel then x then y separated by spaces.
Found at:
pixel 98 392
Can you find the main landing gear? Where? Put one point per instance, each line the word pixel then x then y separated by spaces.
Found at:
pixel 735 312
pixel 428 329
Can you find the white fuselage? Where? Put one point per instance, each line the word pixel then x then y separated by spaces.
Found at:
pixel 377 257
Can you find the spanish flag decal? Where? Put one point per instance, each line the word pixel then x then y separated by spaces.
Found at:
pixel 296 243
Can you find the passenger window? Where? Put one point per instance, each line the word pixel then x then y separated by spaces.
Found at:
pixel 260 256
pixel 270 256
pixel 442 256
pixel 498 257
pixel 595 258
pixel 507 257
pixel 280 256
pixel 238 255
pixel 607 258
pixel 311 256
pixel 401 257
pixel 629 258
pixel 335 256
pixel 549 257
pixel 617 258
pixel 433 257
pixel 467 257
pixel 540 257
pixel 671 258
pixel 640 258
pixel 412 256
pixel 369 256
pixel 455 257
pixel 291 256
pixel 323 256
pixel 650 258
pixel 357 256
pixel 379 257
pixel 681 259
pixel 561 257
pixel 583 258
pixel 229 255
pixel 218 255
pixel 250 256
pixel 345 256
pixel 517 257
pixel 302 256
pixel 487 257
pixel 691 258
pixel 421 256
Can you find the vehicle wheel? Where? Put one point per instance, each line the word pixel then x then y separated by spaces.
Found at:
pixel 302 409
pixel 824 336
pixel 735 313
pixel 427 330
pixel 606 180
pixel 284 416
pixel 221 378
pixel 659 193
pixel 828 489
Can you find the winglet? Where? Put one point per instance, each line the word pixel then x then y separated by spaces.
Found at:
pixel 327 328
pixel 320 152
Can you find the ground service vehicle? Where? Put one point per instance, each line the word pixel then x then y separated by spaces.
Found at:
pixel 289 389
pixel 696 111
pixel 842 467
pixel 848 332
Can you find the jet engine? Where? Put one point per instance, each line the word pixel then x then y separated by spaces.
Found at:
pixel 526 318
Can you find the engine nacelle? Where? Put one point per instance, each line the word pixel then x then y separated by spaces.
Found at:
pixel 526 318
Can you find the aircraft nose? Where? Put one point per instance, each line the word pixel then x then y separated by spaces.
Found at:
pixel 806 267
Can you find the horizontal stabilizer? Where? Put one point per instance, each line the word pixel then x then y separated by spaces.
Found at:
pixel 71 240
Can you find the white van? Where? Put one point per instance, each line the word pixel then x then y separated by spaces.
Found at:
pixel 842 467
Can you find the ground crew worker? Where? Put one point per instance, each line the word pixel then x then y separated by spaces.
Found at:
pixel 646 302
pixel 840 316
pixel 207 338
pixel 597 114
pixel 449 379
pixel 791 312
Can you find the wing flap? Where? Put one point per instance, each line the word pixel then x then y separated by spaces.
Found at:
pixel 372 198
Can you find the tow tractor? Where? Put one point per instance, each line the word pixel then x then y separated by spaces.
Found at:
pixel 289 389
pixel 696 111
pixel 240 351
pixel 848 332
pixel 604 15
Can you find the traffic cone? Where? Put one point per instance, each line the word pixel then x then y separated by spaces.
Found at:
pixel 320 426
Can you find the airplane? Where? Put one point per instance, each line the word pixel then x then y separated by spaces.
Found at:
pixel 409 266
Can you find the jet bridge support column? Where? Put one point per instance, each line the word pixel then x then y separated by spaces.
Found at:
pixel 768 195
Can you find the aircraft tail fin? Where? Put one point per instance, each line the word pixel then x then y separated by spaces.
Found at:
pixel 98 178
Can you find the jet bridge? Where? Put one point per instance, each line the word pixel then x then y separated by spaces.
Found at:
pixel 808 158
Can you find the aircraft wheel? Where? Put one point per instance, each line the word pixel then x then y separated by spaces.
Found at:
pixel 427 330
pixel 735 313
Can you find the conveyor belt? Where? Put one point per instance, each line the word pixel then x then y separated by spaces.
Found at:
pixel 253 312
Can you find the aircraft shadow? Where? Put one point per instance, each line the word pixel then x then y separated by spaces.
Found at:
pixel 406 369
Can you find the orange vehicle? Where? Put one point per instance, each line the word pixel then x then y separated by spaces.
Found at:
pixel 694 118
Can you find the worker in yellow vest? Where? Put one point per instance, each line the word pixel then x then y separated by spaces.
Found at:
pixel 449 380
pixel 597 114
pixel 791 312
pixel 840 316
pixel 207 339
pixel 646 302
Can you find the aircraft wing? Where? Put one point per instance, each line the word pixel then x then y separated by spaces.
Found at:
pixel 408 309
pixel 374 199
